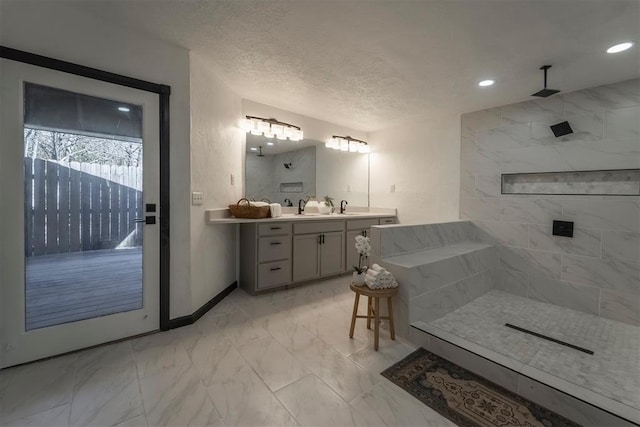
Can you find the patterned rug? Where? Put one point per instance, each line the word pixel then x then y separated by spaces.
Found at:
pixel 465 398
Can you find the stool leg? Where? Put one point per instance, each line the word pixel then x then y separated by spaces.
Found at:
pixel 355 313
pixel 369 314
pixel 391 327
pixel 376 333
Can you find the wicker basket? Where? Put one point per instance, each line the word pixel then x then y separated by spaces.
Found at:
pixel 250 212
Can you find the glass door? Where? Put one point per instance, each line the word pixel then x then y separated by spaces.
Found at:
pixel 79 188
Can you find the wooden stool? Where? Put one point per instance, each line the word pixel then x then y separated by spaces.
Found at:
pixel 373 311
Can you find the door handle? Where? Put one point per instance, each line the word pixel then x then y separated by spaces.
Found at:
pixel 150 219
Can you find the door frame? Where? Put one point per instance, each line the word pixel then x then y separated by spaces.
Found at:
pixel 163 92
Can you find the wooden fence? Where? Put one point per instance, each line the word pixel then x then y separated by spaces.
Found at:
pixel 67 210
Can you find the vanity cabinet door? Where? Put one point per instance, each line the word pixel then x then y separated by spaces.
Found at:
pixel 332 253
pixel 306 257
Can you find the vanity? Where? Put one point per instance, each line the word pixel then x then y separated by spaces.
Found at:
pixel 276 253
pixel 282 252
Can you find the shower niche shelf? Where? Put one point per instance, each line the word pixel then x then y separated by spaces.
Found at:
pixel 619 182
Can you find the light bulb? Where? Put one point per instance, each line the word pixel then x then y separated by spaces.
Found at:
pixel 353 147
pixel 278 130
pixel 246 125
pixel 344 145
pixel 264 127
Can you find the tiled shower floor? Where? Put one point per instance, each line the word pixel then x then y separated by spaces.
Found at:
pixel 613 371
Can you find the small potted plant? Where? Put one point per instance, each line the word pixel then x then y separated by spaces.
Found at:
pixel 363 246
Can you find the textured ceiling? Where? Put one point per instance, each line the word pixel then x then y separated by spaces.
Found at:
pixel 372 64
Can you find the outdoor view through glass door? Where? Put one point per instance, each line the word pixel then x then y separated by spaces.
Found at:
pixel 83 203
pixel 79 224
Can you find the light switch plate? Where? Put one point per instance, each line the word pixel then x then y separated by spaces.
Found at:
pixel 197 198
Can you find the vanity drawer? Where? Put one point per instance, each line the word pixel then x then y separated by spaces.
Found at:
pixel 274 248
pixel 391 220
pixel 274 229
pixel 357 224
pixel 318 227
pixel 274 274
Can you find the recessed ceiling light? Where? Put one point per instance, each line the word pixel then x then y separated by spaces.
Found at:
pixel 620 47
pixel 253 149
pixel 484 83
pixel 124 109
pixel 269 143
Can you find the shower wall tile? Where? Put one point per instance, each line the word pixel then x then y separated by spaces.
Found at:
pixel 620 306
pixel 530 261
pixel 487 208
pixel 531 159
pixel 533 211
pixel 505 138
pixel 598 99
pixel 603 257
pixel 603 155
pixel 487 185
pixel 623 123
pixel 504 233
pixel 618 275
pixel 433 305
pixel 513 282
pixel 584 241
pixel 435 275
pixel 570 295
pixel 621 245
pixel 603 213
pixel 537 110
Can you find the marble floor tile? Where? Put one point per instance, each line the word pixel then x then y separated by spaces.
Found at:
pixel 388 405
pixel 176 397
pixel 272 362
pixel 336 370
pixel 55 417
pixel 37 387
pixel 332 326
pixel 389 352
pixel 159 352
pixel 237 327
pixel 325 408
pixel 242 399
pixel 105 395
pixel 216 360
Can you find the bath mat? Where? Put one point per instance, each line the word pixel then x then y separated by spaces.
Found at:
pixel 465 398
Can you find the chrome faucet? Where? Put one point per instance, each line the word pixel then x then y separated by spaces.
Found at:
pixel 301 204
pixel 288 202
pixel 343 206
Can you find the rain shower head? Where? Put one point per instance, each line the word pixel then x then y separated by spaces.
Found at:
pixel 260 152
pixel 544 93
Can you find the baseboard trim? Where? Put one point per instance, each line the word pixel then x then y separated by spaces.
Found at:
pixel 190 319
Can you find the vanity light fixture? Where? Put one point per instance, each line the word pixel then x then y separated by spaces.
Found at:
pixel 347 143
pixel 620 47
pixel 271 128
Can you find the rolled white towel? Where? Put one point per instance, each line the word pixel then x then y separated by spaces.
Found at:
pixel 373 273
pixel 258 204
pixel 376 267
pixel 276 210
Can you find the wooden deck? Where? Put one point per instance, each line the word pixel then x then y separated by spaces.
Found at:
pixel 70 287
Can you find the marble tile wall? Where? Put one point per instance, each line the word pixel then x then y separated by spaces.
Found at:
pixel 598 270
pixel 439 267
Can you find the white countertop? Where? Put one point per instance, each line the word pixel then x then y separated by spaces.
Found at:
pixel 221 216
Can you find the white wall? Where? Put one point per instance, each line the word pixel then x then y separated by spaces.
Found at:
pixel 55 29
pixel 421 158
pixel 217 147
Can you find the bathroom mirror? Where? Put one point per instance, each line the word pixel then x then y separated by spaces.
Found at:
pixel 297 170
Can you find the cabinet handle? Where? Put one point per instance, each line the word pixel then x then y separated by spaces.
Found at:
pixel 276 268
pixel 323 239
pixel 276 243
pixel 276 228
